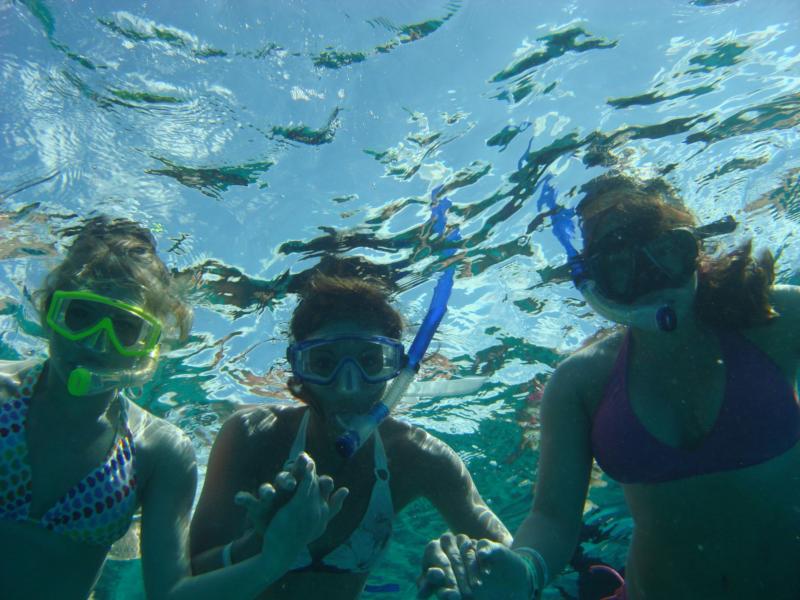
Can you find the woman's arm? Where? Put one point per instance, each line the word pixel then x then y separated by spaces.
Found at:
pixel 452 566
pixel 217 520
pixel 565 462
pixel 165 522
pixel 448 485
pixel 166 505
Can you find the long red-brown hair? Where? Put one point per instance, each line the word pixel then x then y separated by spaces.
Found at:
pixel 733 289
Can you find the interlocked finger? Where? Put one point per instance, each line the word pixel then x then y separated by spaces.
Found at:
pixel 325 487
pixel 469 557
pixel 451 545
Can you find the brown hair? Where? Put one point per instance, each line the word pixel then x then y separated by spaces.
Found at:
pixel 328 298
pixel 119 252
pixel 733 289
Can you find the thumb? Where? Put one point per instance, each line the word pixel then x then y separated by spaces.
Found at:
pixel 336 502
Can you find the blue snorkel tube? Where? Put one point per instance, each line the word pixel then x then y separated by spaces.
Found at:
pixel 563 229
pixel 349 442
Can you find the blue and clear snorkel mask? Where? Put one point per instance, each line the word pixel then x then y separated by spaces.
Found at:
pixel 377 359
pixel 649 286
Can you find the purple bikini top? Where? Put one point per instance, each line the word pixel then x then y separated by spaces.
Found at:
pixel 758 420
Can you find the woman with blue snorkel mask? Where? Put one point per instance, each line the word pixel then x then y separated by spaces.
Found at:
pixel 690 405
pixel 345 353
pixel 78 459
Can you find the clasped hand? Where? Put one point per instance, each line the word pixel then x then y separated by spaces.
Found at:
pixel 461 568
pixel 292 511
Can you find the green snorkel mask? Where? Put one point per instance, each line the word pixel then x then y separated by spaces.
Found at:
pixel 102 323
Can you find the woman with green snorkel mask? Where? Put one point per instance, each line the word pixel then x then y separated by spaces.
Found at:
pixel 690 404
pixel 78 459
pixel 344 354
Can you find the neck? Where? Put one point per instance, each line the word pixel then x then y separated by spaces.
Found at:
pixel 684 339
pixel 62 405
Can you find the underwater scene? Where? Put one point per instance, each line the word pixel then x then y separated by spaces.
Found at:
pixel 449 143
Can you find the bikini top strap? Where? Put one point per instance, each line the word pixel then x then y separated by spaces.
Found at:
pixel 124 407
pixel 381 463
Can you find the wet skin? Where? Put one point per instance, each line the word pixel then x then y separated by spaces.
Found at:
pixel 61 453
pixel 734 534
pixel 253 445
pixel 721 536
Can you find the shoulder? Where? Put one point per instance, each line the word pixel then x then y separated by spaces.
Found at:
pixel 785 299
pixel 12 373
pixel 584 374
pixel 781 335
pixel 407 444
pixel 159 443
pixel 584 369
pixel 260 425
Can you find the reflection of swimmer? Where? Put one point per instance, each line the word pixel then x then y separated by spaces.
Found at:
pixel 344 353
pixel 77 458
pixel 221 284
pixel 17 241
pixel 691 406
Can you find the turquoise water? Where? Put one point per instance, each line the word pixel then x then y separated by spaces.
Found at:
pixel 254 137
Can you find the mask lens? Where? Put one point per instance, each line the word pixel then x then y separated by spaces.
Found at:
pixel 372 360
pixel 320 361
pixel 80 315
pixel 128 328
pixel 625 270
pixel 612 264
pixel 674 253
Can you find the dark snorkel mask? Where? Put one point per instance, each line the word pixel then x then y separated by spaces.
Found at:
pixel 648 285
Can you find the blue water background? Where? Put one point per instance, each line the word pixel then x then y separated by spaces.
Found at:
pixel 254 136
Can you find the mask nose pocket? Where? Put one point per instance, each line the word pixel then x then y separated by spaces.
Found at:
pixel 349 376
pixel 98 341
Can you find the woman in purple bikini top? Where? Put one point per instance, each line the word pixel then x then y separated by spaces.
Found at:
pixel 690 404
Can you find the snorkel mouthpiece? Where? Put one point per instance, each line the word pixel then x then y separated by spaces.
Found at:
pixel 79 381
pixel 348 443
pixel 361 428
pixel 84 382
pixel 666 318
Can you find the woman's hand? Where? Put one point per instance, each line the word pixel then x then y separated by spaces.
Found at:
pixel 292 523
pixel 261 509
pixel 503 571
pixel 460 568
pixel 449 568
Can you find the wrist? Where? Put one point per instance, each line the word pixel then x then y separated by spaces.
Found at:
pixel 281 549
pixel 536 570
pixel 241 548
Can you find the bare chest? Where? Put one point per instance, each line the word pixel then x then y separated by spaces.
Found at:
pixel 58 461
pixel 678 404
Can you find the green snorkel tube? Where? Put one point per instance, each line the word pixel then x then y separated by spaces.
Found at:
pixel 349 442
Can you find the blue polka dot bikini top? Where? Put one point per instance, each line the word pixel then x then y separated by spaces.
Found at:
pixel 97 510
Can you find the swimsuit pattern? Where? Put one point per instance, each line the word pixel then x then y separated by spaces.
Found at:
pixel 97 510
